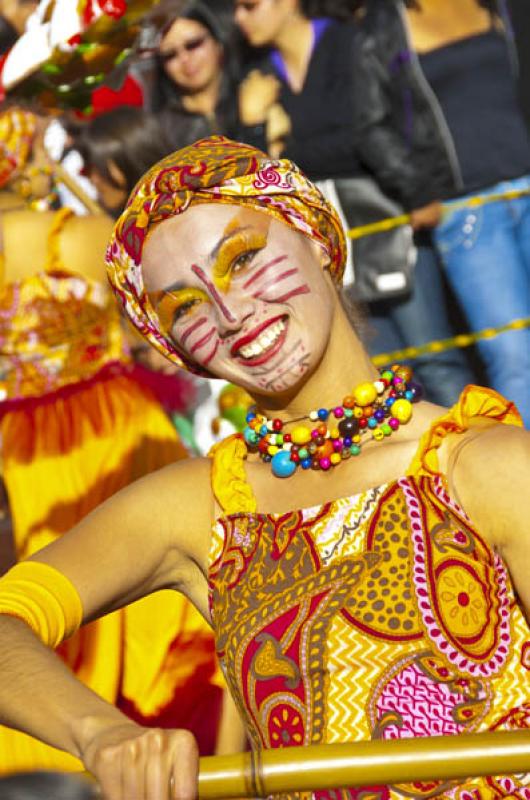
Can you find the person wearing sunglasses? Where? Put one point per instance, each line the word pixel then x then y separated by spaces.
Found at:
pixel 194 77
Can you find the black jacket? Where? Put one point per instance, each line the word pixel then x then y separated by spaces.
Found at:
pixel 401 133
pixel 322 139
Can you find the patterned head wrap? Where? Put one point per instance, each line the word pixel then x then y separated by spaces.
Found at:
pixel 17 130
pixel 214 170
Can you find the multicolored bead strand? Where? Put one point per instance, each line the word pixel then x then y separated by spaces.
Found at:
pixel 373 409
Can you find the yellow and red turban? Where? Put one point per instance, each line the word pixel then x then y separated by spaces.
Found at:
pixel 214 170
pixel 17 131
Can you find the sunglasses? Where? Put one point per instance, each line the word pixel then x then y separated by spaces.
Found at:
pixel 187 47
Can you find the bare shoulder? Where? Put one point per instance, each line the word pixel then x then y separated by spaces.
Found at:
pixel 489 469
pixel 154 534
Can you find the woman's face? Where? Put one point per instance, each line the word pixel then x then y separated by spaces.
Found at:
pixel 191 57
pixel 261 21
pixel 241 294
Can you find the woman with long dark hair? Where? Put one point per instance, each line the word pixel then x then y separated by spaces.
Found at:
pixel 193 87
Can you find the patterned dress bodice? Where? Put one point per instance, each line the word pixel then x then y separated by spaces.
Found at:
pixel 382 615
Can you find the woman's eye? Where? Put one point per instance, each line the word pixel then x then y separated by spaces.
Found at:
pixel 184 309
pixel 243 260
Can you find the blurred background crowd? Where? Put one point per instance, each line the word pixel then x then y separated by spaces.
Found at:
pixel 412 117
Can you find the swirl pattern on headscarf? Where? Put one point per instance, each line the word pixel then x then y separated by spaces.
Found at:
pixel 213 170
pixel 17 130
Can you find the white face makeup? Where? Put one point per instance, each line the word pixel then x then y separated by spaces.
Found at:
pixel 241 294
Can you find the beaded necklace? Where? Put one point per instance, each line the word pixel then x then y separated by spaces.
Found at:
pixel 372 409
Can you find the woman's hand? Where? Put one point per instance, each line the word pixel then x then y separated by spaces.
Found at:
pixel 257 93
pixel 278 129
pixel 134 763
pixel 426 217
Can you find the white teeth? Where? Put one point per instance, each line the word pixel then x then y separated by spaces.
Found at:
pixel 264 341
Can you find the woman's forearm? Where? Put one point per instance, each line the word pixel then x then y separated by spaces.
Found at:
pixel 40 696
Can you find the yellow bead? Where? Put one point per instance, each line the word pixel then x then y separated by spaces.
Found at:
pixel 334 433
pixel 301 435
pixel 402 410
pixel 365 394
pixel 358 412
pixel 378 434
pixel 335 458
pixel 356 439
pixel 272 450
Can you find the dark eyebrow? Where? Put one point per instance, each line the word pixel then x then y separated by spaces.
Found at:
pixel 215 252
pixel 174 287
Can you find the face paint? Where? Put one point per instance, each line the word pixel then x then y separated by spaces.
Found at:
pixel 249 294
pixel 237 246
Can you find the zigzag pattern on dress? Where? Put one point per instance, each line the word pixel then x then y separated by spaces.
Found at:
pixel 347 692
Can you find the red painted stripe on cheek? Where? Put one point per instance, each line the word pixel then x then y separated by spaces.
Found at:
pixel 274 281
pixel 192 328
pixel 262 271
pixel 203 341
pixel 294 293
pixel 212 354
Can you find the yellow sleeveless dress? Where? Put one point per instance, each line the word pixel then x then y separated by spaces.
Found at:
pixel 384 615
pixel 77 425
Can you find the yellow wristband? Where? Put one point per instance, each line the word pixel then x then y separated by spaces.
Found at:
pixel 44 599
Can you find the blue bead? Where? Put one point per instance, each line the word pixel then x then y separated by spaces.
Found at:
pixel 347 442
pixel 250 416
pixel 250 436
pixel 390 401
pixel 379 414
pixel 372 423
pixel 323 413
pixel 305 463
pixel 409 395
pixel 281 464
pixel 263 430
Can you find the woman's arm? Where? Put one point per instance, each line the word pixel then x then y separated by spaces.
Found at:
pixel 150 536
pixel 491 479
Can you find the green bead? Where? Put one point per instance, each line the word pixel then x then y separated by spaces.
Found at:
pixel 303 453
pixel 348 412
pixel 279 438
pixel 355 449
pixel 387 430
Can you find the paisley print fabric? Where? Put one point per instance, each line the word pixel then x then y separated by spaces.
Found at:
pixel 384 615
pixel 213 170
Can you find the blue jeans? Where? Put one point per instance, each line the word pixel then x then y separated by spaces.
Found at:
pixel 419 318
pixel 486 253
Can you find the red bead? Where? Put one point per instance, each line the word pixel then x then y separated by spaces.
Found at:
pixel 287 438
pixel 263 446
pixel 363 422
pixel 277 425
pixel 295 458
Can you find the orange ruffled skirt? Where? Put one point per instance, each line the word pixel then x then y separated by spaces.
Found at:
pixel 62 455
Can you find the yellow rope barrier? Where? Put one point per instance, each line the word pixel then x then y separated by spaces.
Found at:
pixel 471 202
pixel 440 346
pixel 375 763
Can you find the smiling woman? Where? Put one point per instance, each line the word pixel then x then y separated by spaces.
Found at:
pixel 365 596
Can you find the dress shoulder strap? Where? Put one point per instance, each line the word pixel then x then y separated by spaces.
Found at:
pixel 475 403
pixel 229 481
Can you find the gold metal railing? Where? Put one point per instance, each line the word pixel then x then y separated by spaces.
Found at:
pixel 374 763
